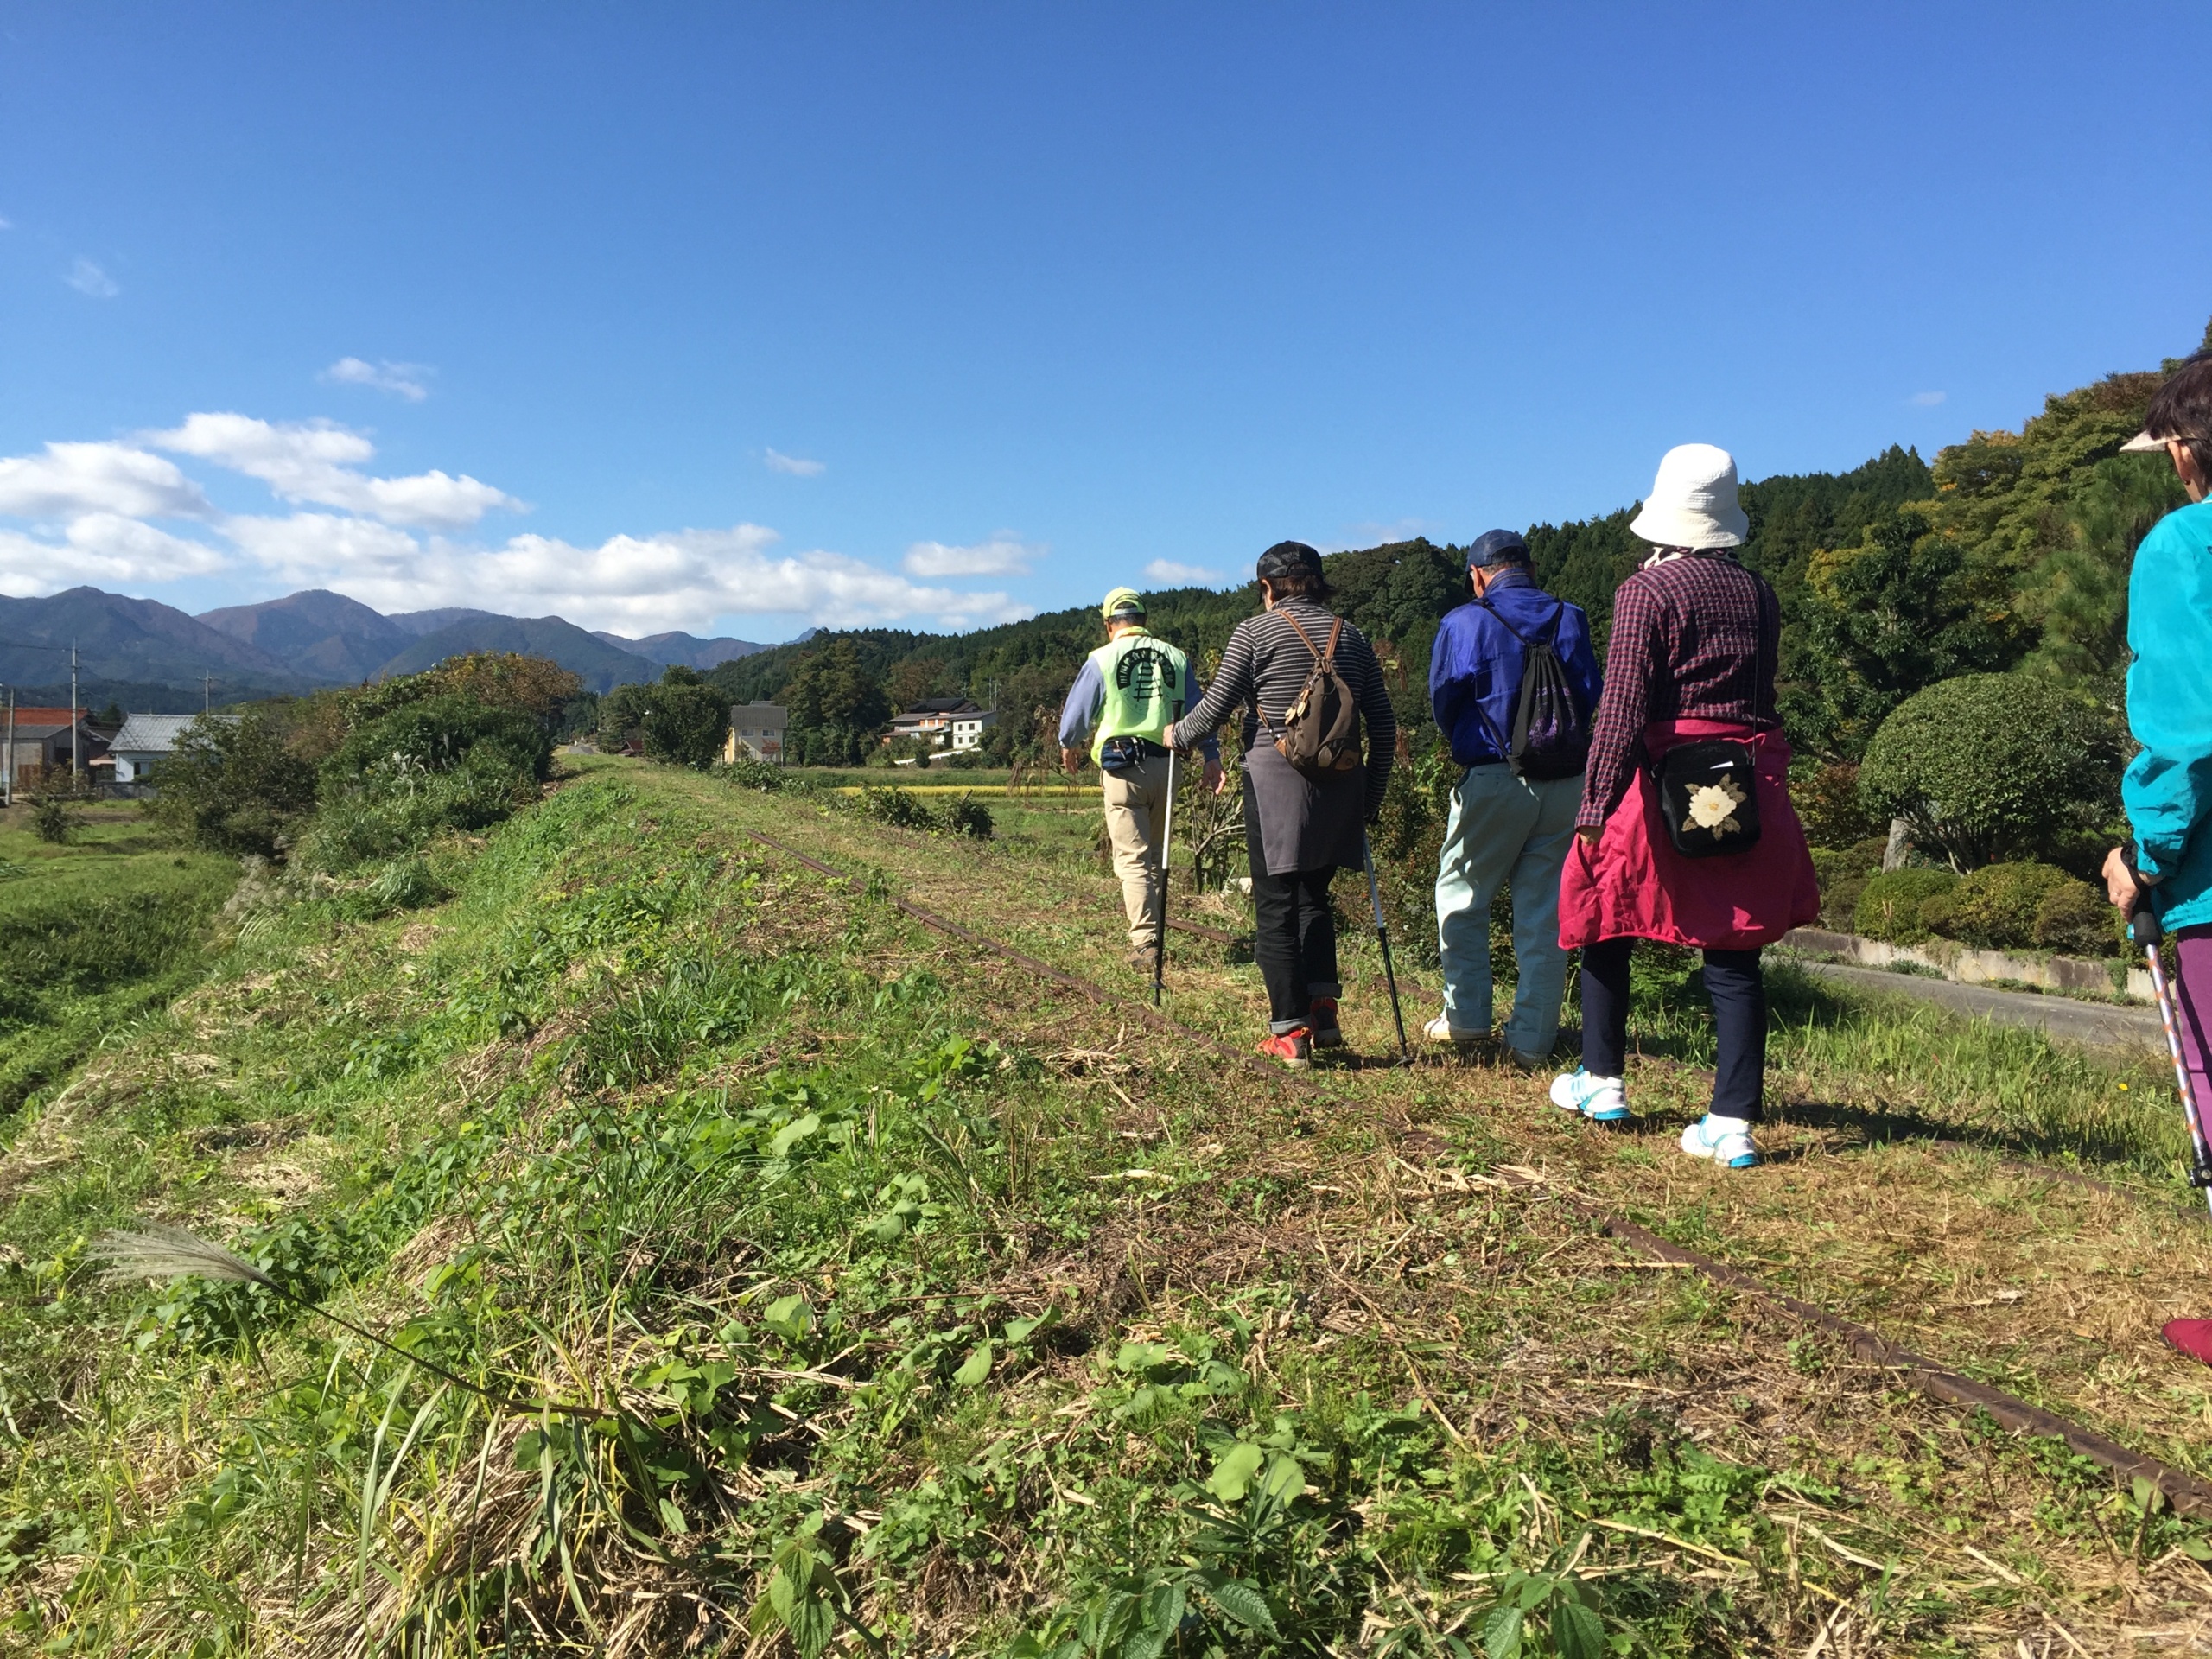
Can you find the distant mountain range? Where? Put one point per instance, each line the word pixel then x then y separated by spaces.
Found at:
pixel 152 657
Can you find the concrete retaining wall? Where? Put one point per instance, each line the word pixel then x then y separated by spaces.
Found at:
pixel 1969 966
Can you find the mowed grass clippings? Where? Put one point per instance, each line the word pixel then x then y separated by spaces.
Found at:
pixel 924 1306
pixel 1506 1119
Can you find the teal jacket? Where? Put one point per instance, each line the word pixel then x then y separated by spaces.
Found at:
pixel 2167 787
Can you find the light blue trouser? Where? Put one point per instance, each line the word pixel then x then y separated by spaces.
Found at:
pixel 1505 828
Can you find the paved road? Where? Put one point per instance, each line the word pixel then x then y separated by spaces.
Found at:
pixel 2061 1016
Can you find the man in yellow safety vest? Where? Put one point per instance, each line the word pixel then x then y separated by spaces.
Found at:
pixel 1131 689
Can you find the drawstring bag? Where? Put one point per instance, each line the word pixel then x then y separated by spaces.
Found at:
pixel 1551 727
pixel 1708 796
pixel 1320 729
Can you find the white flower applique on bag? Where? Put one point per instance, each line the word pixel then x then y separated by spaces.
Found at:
pixel 1713 807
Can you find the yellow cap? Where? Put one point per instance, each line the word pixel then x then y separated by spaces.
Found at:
pixel 1123 601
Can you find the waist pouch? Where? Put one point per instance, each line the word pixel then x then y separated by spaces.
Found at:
pixel 1120 753
pixel 1708 796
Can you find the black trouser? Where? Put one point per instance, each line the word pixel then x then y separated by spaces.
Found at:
pixel 1737 992
pixel 1295 933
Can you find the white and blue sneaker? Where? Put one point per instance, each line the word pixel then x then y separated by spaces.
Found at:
pixel 1602 1100
pixel 1726 1140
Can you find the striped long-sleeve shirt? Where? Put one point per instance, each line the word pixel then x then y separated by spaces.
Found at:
pixel 1693 638
pixel 1266 665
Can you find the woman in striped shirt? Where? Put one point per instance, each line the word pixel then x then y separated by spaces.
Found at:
pixel 1297 832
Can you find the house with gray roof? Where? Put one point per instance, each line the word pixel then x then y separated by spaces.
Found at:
pixel 145 742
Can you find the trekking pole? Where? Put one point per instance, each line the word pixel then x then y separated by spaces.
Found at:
pixel 2143 928
pixel 1167 837
pixel 1383 936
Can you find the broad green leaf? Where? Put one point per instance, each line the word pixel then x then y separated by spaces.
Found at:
pixel 793 1133
pixel 975 1368
pixel 783 1595
pixel 1502 1634
pixel 1244 1605
pixel 1232 1473
pixel 789 1317
pixel 1164 1605
pixel 1144 1644
pixel 811 1623
pixel 1019 1330
pixel 1023 1647
pixel 673 1515
pixel 1577 1632
pixel 1285 1479
pixel 1533 1594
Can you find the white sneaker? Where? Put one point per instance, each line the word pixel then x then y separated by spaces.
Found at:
pixel 1441 1030
pixel 1726 1140
pixel 1602 1100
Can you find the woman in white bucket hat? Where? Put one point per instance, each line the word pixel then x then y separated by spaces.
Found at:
pixel 1687 834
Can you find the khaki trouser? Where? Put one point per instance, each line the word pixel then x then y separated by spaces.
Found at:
pixel 1137 803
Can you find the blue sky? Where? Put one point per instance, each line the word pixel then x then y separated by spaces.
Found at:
pixel 740 319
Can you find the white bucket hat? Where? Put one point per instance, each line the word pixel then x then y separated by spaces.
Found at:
pixel 1693 501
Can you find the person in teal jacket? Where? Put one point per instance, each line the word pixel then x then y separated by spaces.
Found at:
pixel 2167 790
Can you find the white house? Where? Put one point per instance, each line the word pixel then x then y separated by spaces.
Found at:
pixel 145 742
pixel 756 733
pixel 944 723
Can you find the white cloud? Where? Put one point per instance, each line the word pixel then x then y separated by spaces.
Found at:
pixel 390 542
pixel 797 466
pixel 313 461
pixel 116 478
pixel 408 380
pixel 88 278
pixel 101 547
pixel 627 584
pixel 1004 555
pixel 7 224
pixel 1927 400
pixel 1168 574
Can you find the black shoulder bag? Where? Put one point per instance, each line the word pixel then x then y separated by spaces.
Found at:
pixel 1709 794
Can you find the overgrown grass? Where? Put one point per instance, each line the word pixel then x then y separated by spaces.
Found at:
pixel 93 934
pixel 891 1318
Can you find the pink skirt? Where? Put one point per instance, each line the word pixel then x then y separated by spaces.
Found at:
pixel 1634 885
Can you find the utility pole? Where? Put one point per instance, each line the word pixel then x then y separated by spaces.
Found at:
pixel 76 761
pixel 206 691
pixel 8 775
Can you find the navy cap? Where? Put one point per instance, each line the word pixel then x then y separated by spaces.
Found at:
pixel 1497 547
pixel 1291 559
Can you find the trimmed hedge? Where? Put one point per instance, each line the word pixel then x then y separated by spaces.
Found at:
pixel 1890 905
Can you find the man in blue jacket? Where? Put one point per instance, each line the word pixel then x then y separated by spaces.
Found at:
pixel 1504 827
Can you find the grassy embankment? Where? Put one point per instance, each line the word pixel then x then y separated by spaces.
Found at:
pixel 934 1286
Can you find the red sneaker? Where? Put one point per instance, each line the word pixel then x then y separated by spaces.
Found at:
pixel 1327 1032
pixel 2191 1336
pixel 1293 1048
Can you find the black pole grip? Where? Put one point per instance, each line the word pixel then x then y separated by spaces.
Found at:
pixel 2143 923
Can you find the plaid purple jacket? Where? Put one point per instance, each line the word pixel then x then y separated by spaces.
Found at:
pixel 1695 637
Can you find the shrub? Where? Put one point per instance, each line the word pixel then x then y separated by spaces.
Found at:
pixel 435 735
pixel 393 813
pixel 895 807
pixel 2078 920
pixel 685 721
pixel 1992 765
pixel 1843 876
pixel 1828 806
pixel 967 817
pixel 54 817
pixel 230 786
pixel 1890 905
pixel 1994 908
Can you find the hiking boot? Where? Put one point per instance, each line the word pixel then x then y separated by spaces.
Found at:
pixel 1140 958
pixel 1293 1048
pixel 1726 1140
pixel 1327 1034
pixel 1441 1030
pixel 1602 1100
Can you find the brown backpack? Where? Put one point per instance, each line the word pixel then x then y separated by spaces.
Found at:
pixel 1320 729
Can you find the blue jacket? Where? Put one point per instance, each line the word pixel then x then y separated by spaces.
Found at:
pixel 1474 673
pixel 2167 787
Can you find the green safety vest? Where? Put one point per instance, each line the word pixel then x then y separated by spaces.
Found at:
pixel 1147 681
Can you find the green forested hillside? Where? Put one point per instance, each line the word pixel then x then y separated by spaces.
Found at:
pixel 2011 550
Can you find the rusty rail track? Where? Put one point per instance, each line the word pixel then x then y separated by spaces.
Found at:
pixel 2188 1494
